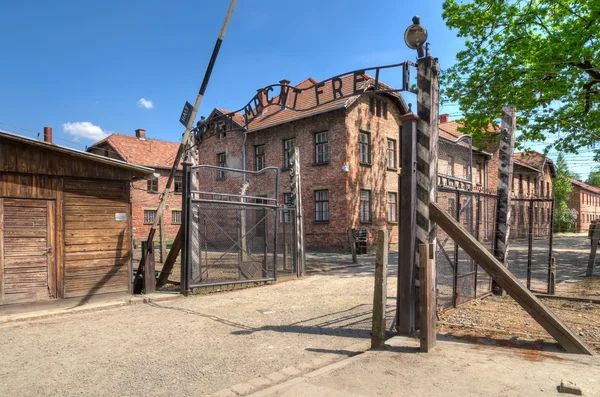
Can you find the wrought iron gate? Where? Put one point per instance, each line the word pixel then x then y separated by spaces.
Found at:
pixel 232 226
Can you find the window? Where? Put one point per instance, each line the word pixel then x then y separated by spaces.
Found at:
pixel 321 205
pixel 149 216
pixel 371 105
pixel 365 206
pixel 222 162
pixel 520 184
pixel 385 110
pixel 321 148
pixel 392 205
pixel 288 203
pixel 288 147
pixel 391 153
pixel 153 185
pixel 259 157
pixel 176 217
pixel 478 177
pixel 178 184
pixel 378 108
pixel 528 185
pixel 542 188
pixel 513 215
pixel 548 188
pixel 364 147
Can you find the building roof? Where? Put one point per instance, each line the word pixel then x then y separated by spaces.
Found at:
pixel 534 160
pixel 148 152
pixel 275 115
pixel 75 152
pixel 449 131
pixel 585 186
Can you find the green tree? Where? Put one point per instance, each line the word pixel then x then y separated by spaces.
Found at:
pixel 543 56
pixel 561 189
pixel 594 177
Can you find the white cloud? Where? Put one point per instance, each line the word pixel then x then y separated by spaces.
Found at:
pixel 84 129
pixel 145 103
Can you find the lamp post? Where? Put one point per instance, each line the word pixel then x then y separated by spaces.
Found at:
pixel 422 168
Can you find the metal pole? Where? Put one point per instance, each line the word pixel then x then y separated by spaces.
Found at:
pixel 477 225
pixel 550 239
pixel 529 243
pixel 186 213
pixel 276 225
pixel 455 278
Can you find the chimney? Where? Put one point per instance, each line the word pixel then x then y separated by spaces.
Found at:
pixel 140 134
pixel 444 118
pixel 48 134
pixel 262 95
pixel 284 82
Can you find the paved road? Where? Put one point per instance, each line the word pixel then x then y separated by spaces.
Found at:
pixel 192 346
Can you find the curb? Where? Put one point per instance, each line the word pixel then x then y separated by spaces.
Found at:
pixel 89 307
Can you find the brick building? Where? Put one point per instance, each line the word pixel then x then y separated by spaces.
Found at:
pixel 145 195
pixel 349 158
pixel 585 199
pixel 532 179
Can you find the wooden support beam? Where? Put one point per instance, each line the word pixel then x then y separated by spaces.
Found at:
pixel 593 249
pixel 380 294
pixel 427 330
pixel 163 277
pixel 149 282
pixel 495 269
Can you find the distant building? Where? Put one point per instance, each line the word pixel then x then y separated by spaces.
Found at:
pixel 145 195
pixel 585 199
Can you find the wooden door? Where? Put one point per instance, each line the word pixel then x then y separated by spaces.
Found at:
pixel 27 271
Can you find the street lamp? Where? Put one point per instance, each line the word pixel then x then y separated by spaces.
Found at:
pixel 415 36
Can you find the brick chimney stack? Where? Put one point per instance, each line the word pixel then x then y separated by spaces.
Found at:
pixel 284 82
pixel 48 134
pixel 444 118
pixel 140 134
pixel 262 95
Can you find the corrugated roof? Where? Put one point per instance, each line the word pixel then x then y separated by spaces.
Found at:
pixel 154 153
pixel 75 152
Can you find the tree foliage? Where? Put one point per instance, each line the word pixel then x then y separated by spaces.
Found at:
pixel 561 190
pixel 543 56
pixel 594 177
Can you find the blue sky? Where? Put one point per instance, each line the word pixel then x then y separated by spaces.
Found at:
pixel 91 68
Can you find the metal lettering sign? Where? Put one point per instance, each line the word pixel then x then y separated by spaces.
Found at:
pixel 186 113
pixel 321 93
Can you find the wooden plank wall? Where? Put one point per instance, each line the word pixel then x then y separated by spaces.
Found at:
pixel 35 160
pixel 97 247
pixel 92 250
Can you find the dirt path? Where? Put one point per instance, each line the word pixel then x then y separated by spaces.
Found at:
pixel 192 346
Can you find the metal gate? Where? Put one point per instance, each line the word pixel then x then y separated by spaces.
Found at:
pixel 232 226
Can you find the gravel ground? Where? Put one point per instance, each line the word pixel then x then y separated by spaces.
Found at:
pixel 192 346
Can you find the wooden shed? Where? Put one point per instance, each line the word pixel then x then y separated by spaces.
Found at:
pixel 65 226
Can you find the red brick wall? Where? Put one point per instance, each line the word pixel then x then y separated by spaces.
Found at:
pixel 587 204
pixel 344 188
pixel 142 200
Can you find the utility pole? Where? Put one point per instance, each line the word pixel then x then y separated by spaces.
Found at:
pixel 188 117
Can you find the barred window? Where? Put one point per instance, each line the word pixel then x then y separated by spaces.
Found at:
pixel 321 206
pixel 322 148
pixel 392 205
pixel 365 206
pixel 178 184
pixel 364 147
pixel 176 217
pixel 153 185
pixel 149 216
pixel 259 157
pixel 288 147
pixel 222 161
pixel 391 153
